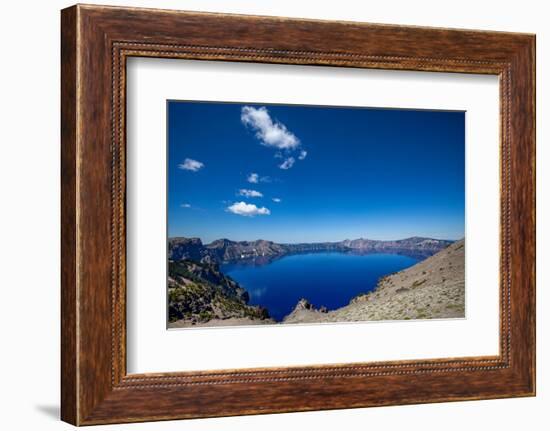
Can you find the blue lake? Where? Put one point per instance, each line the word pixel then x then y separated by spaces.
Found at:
pixel 330 279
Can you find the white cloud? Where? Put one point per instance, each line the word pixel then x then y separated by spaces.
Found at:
pixel 247 210
pixel 302 155
pixel 288 163
pixel 185 205
pixel 191 165
pixel 277 200
pixel 271 133
pixel 254 178
pixel 250 193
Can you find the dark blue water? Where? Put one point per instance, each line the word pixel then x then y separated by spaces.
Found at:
pixel 329 279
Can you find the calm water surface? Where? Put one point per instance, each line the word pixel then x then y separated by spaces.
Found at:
pixel 329 279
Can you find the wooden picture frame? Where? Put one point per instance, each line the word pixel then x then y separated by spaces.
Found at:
pixel 95 43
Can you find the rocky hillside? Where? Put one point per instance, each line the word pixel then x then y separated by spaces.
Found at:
pixel 198 293
pixel 431 289
pixel 185 248
pixel 224 250
pixel 420 245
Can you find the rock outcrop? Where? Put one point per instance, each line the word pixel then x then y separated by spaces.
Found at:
pixel 304 309
pixel 199 293
pixel 182 248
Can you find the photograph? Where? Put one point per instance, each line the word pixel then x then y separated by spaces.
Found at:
pixel 285 214
pixel 276 212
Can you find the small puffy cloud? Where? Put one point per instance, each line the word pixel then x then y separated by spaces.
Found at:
pixel 250 193
pixel 247 210
pixel 288 163
pixel 269 132
pixel 185 205
pixel 191 165
pixel 254 178
pixel 277 200
pixel 302 155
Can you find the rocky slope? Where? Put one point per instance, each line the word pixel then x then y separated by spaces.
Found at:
pixel 199 294
pixel 224 250
pixel 433 288
pixel 416 244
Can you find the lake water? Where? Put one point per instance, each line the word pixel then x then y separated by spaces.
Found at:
pixel 329 279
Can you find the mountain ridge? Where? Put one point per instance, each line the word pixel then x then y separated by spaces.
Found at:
pixel 224 250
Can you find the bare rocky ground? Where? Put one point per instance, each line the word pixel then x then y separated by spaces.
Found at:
pixel 431 289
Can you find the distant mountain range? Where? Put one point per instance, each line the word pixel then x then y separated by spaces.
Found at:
pixel 225 250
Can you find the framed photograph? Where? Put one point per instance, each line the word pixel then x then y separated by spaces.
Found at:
pixel 317 215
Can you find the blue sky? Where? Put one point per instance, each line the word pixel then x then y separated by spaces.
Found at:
pixel 291 173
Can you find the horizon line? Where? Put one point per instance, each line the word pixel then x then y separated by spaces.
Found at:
pixel 319 242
